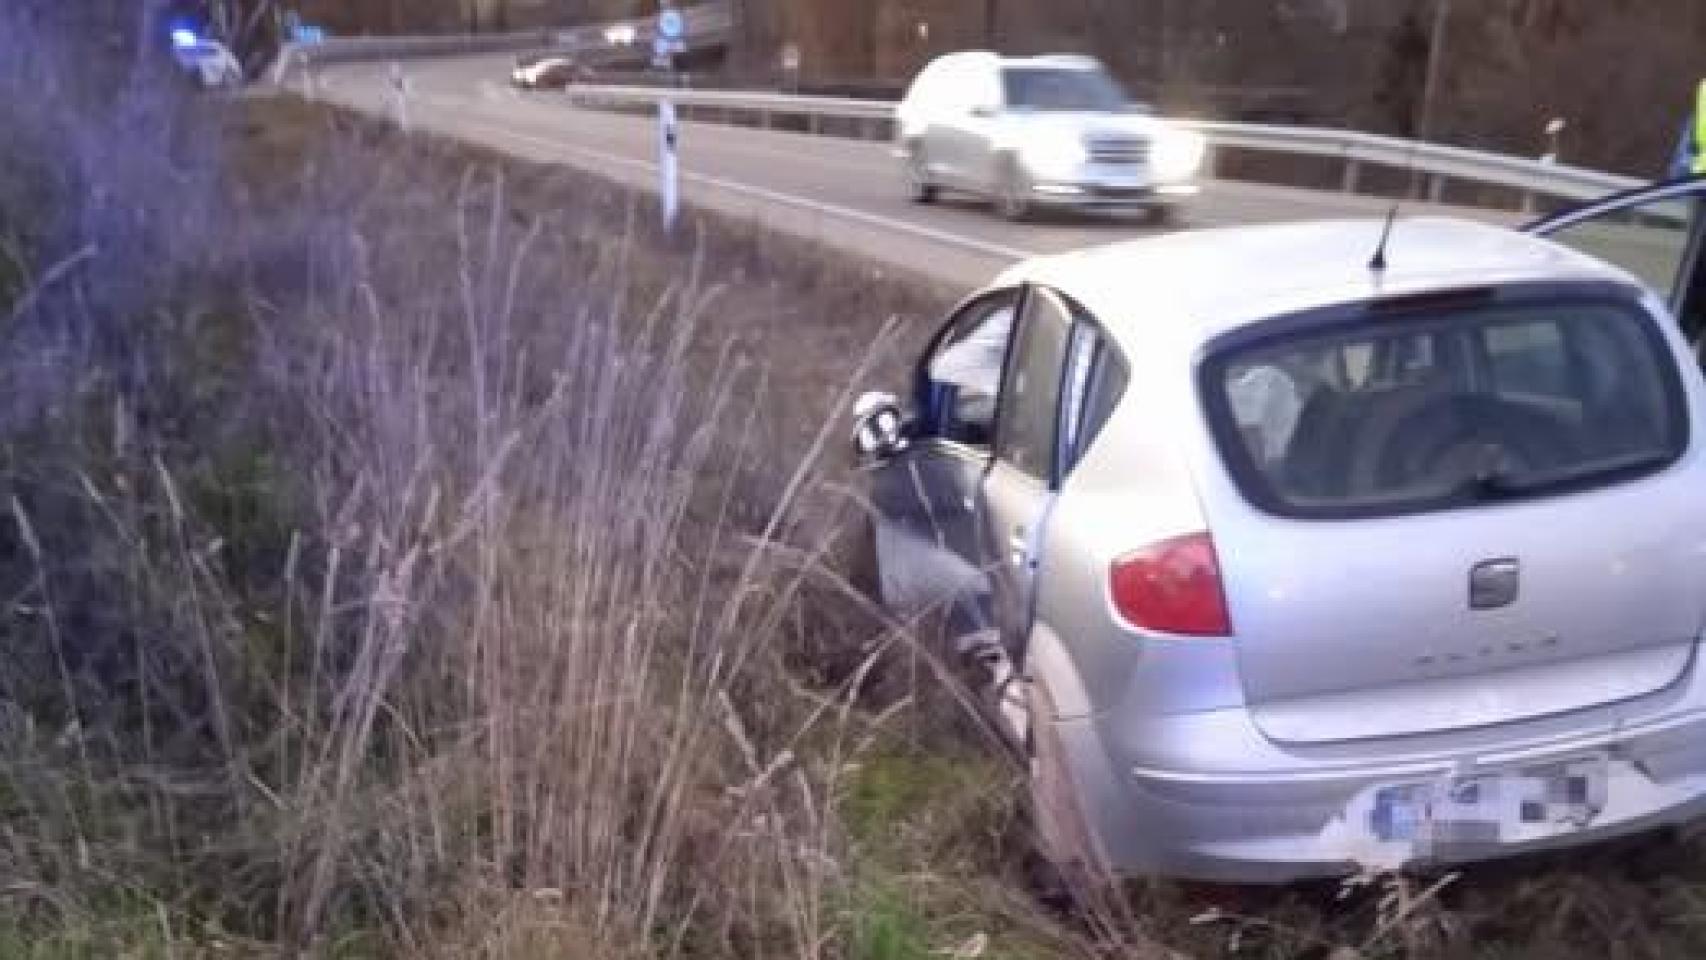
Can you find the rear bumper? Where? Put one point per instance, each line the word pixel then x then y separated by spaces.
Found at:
pixel 1319 820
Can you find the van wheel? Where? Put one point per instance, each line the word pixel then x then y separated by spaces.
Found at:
pixel 918 183
pixel 1012 192
pixel 1064 840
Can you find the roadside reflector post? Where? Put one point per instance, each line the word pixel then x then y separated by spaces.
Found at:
pixel 669 42
pixel 669 192
pixel 400 95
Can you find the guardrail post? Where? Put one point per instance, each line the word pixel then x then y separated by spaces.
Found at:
pixel 1353 175
pixel 1436 187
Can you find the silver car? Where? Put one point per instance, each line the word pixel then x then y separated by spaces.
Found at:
pixel 1031 132
pixel 1282 563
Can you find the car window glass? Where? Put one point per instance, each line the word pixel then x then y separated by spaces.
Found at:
pixel 1448 409
pixel 1649 240
pixel 1107 385
pixel 1528 358
pixel 1060 89
pixel 1095 380
pixel 1080 364
pixel 1030 403
pixel 965 372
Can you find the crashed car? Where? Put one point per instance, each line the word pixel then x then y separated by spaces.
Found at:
pixel 1294 551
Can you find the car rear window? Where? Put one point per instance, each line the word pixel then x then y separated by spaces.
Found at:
pixel 1382 413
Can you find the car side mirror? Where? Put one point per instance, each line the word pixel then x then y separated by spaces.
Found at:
pixel 879 426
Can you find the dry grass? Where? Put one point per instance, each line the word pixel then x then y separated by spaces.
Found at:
pixel 399 568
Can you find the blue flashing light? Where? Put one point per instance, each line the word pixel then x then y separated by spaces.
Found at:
pixel 184 39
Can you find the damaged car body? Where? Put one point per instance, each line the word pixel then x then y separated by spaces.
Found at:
pixel 1344 564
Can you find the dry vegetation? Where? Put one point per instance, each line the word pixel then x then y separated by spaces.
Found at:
pixel 410 553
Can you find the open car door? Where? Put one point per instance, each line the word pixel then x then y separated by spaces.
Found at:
pixel 1655 233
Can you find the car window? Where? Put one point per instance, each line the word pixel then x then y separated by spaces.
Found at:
pixel 963 375
pixel 1075 388
pixel 1030 402
pixel 1061 89
pixel 1529 359
pixel 1095 380
pixel 1649 240
pixel 1449 407
pixel 1107 387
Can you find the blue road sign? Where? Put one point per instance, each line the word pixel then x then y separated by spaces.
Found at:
pixel 671 24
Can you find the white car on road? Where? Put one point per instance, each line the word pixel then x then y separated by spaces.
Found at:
pixel 1051 131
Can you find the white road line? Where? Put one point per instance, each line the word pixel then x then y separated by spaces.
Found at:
pixel 760 193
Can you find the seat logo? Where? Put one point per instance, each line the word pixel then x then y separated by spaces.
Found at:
pixel 1494 584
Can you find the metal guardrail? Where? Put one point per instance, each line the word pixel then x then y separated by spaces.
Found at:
pixel 297 57
pixel 739 101
pixel 1438 162
pixel 706 24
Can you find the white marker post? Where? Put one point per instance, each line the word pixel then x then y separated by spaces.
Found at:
pixel 671 32
pixel 400 95
pixel 670 191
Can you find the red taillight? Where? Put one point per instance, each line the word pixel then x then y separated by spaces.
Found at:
pixel 1172 587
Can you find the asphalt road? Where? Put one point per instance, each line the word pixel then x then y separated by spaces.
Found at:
pixel 845 194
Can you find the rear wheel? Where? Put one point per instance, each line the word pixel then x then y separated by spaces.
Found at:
pixel 1064 839
pixel 919 185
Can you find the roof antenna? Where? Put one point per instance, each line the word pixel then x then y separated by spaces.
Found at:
pixel 1377 263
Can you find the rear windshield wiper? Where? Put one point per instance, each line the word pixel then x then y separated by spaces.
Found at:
pixel 1498 483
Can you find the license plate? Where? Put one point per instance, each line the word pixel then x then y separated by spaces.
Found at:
pixel 1131 191
pixel 1487 809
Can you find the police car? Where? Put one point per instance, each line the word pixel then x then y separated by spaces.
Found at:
pixel 208 63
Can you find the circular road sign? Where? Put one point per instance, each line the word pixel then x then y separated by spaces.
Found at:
pixel 671 25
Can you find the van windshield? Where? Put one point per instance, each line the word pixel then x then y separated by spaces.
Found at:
pixel 1061 89
pixel 1448 407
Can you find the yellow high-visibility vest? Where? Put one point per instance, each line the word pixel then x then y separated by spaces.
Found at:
pixel 1700 130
